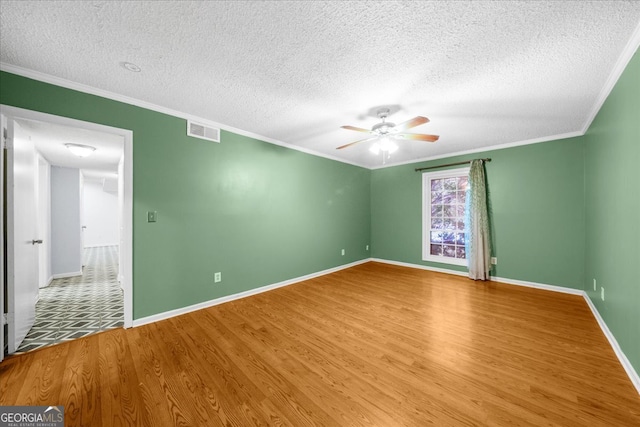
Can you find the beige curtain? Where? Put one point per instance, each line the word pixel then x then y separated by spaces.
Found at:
pixel 479 250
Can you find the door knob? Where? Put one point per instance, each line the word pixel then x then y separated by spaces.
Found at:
pixel 34 242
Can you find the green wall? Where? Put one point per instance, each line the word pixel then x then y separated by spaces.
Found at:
pixel 257 212
pixel 536 197
pixel 613 211
pixel 563 212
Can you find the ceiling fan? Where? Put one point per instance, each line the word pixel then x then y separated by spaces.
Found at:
pixel 388 129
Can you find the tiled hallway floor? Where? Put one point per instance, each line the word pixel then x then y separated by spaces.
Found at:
pixel 74 307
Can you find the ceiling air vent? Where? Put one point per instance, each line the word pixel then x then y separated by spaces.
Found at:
pixel 201 131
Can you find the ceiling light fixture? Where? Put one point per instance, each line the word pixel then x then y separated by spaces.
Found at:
pixel 385 145
pixel 131 67
pixel 80 150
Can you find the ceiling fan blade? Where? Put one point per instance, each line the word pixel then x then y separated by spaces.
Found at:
pixel 418 137
pixel 356 129
pixel 352 143
pixel 416 121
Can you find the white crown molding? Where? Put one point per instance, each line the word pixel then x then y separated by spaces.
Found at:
pixel 485 149
pixel 177 312
pixel 624 361
pixel 626 55
pixel 47 78
pixel 68 84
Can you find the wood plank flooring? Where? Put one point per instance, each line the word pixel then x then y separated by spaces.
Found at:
pixel 373 345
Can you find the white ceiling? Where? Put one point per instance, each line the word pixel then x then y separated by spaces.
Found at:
pixel 486 73
pixel 50 139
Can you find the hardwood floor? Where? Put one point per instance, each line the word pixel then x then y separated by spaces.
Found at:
pixel 374 345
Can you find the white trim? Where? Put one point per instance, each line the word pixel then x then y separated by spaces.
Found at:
pixel 99 246
pixel 553 288
pixel 127 226
pixel 179 311
pixel 631 372
pixel 3 316
pixel 484 149
pixel 65 275
pixel 623 61
pixel 427 177
pixel 505 280
pixel 47 78
pixel 633 375
pixel 626 55
pixel 48 282
pixel 421 267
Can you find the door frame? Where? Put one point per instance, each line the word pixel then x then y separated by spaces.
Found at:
pixel 126 251
pixel 3 318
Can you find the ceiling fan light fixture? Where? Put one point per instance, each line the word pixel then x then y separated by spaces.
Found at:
pixel 80 150
pixel 384 132
pixel 384 145
pixel 387 145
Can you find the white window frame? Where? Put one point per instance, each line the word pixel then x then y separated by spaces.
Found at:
pixel 427 177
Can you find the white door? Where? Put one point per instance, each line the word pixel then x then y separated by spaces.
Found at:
pixel 44 219
pixel 82 226
pixel 22 234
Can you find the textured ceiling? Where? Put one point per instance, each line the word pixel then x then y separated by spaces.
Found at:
pixel 485 73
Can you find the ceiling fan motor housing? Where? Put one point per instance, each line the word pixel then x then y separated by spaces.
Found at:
pixel 383 128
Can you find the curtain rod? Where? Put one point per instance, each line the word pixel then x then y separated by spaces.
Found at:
pixel 450 164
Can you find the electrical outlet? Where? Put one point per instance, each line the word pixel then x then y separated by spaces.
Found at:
pixel 367 247
pixel 494 260
pixel 217 277
pixel 595 287
pixel 343 252
pixel 601 293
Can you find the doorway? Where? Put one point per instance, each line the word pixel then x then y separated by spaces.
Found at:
pixel 103 253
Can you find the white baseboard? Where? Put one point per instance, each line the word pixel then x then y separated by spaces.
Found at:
pixel 633 375
pixel 631 372
pixel 546 287
pixel 49 280
pixel 420 267
pixel 250 292
pixel 493 279
pixel 64 275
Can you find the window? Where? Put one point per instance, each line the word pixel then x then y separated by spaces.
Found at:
pixel 444 197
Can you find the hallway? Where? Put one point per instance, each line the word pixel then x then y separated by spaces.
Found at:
pixel 74 307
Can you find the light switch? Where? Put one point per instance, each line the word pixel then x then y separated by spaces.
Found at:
pixel 152 216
